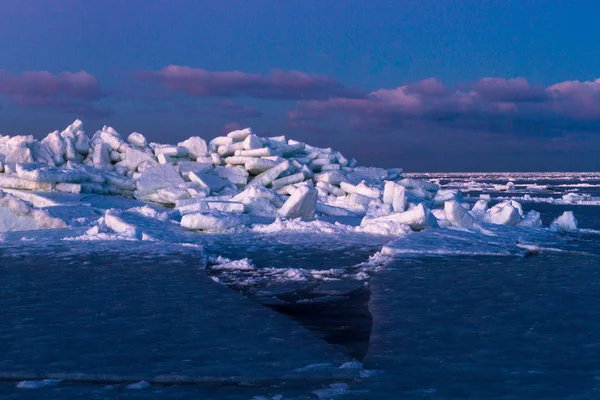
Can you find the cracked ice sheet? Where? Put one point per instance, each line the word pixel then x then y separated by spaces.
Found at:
pixel 484 240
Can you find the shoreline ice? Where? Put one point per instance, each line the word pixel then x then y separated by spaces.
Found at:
pixel 115 187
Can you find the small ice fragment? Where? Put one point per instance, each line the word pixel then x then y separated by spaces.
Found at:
pixel 351 365
pixel 565 223
pixel 37 384
pixel 333 390
pixel 138 385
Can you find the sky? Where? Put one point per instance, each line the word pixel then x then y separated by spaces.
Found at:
pixel 427 85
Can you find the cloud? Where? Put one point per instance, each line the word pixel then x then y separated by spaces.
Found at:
pixel 231 126
pixel 228 108
pixel 490 104
pixel 287 85
pixel 65 92
pixel 510 90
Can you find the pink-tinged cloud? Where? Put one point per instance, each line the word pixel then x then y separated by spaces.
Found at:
pixel 290 85
pixel 575 99
pixel 65 92
pixel 489 104
pixel 231 126
pixel 510 90
pixel 228 108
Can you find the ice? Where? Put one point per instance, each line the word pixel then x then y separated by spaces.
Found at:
pixel 242 179
pixel 444 195
pixel 256 166
pixel 226 206
pixel 395 195
pixel 369 175
pixel 252 142
pixel 171 194
pixel 288 180
pixel 101 157
pixel 56 144
pixel 19 154
pixel 138 385
pixel 385 228
pixel 270 175
pixel 357 198
pixel 417 218
pixel 329 188
pixel 259 192
pixel 229 149
pixel 195 146
pixel 116 223
pixel 158 177
pixel 137 139
pixel 361 189
pixel 212 222
pixel 332 391
pixel 259 206
pixel 18 215
pixel 327 209
pixel 240 134
pixel 82 143
pixel 301 204
pixel 13 182
pixel 260 152
pixel 207 180
pixel 171 151
pixel 224 264
pixel 185 167
pixel 134 157
pixel 532 220
pixel 235 175
pixel 479 208
pixel 37 173
pixel 505 213
pixel 37 384
pixel 457 215
pixel 565 223
pixel 331 177
pixel 163 159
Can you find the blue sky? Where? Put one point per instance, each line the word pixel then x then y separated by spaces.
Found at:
pixel 359 81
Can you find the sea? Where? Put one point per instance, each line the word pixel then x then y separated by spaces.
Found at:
pixel 305 315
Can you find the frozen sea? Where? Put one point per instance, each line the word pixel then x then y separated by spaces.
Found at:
pixel 301 314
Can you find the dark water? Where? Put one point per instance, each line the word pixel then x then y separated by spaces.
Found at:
pixel 520 328
pixel 434 328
